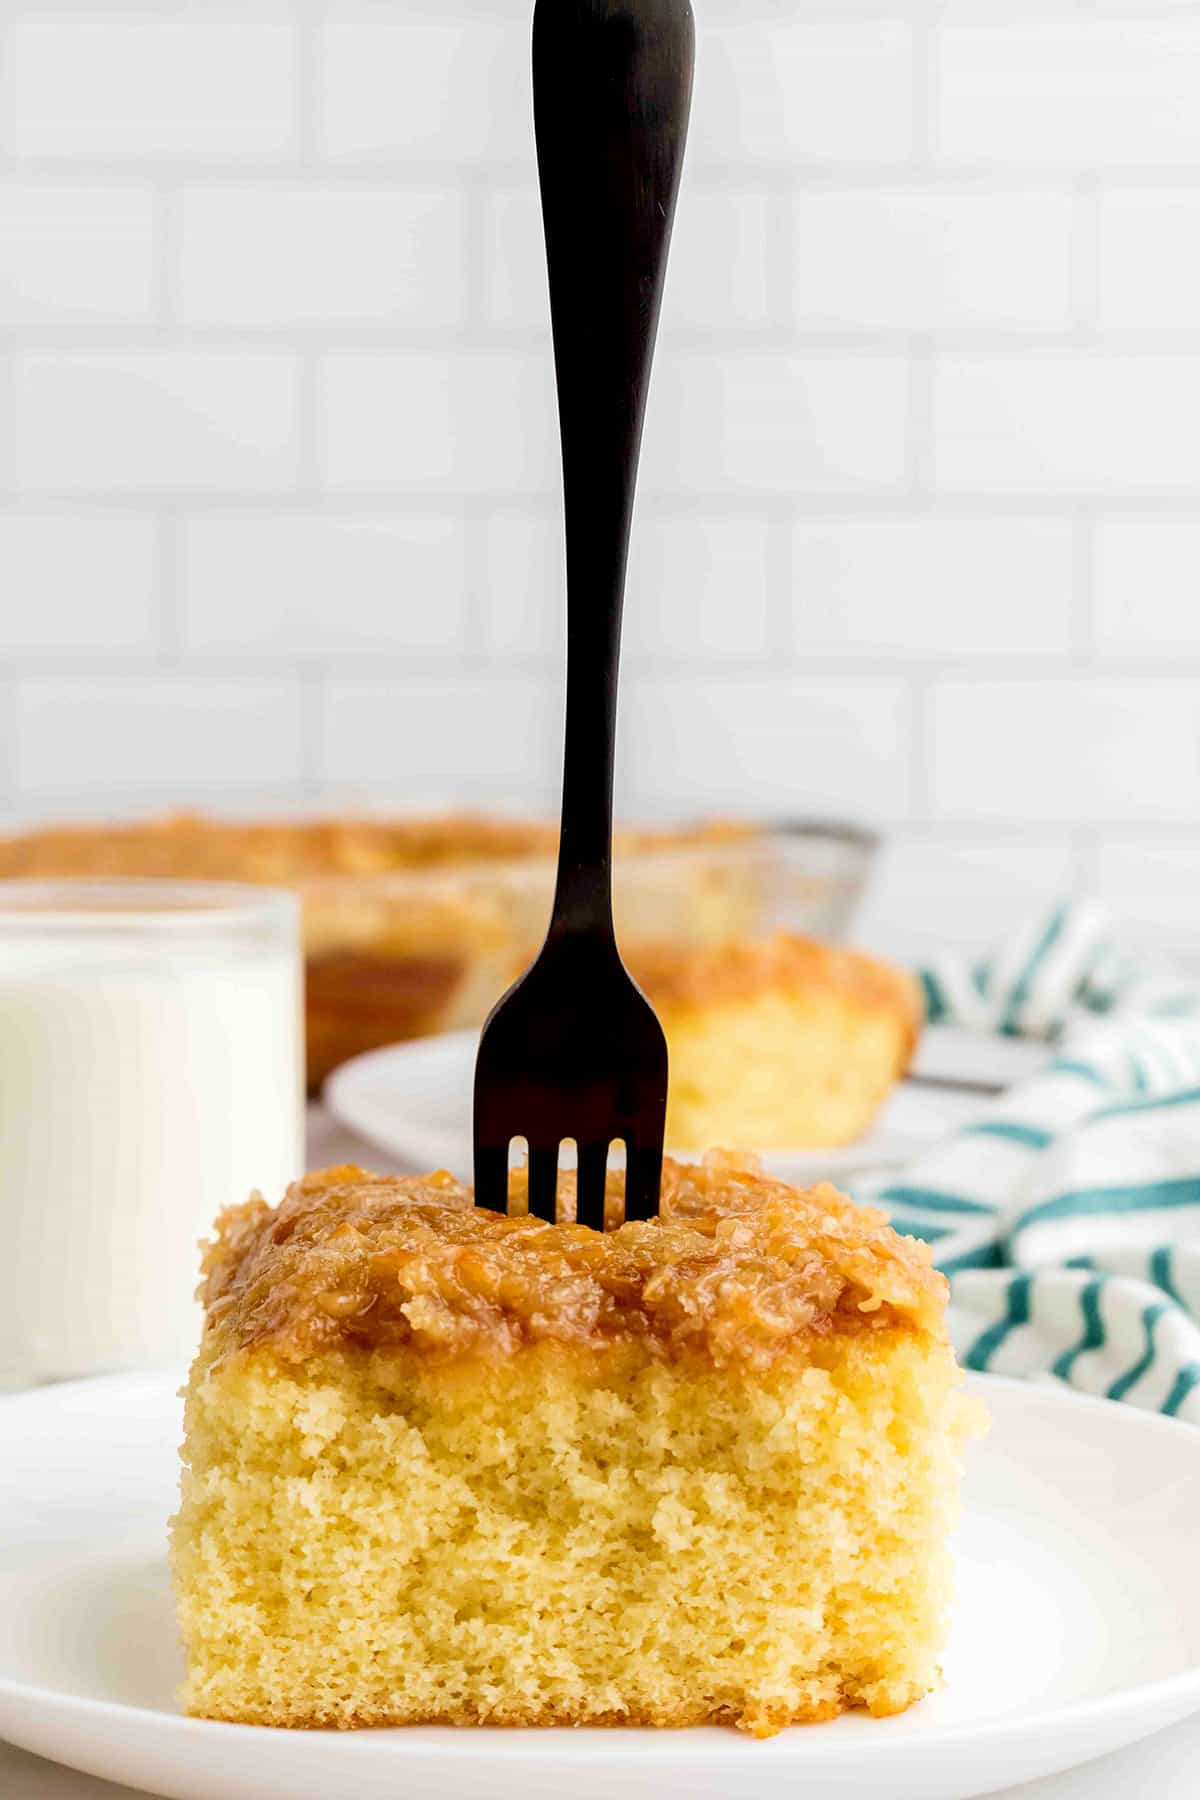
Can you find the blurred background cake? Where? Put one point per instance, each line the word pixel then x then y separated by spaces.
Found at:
pixel 778 1042
pixel 414 925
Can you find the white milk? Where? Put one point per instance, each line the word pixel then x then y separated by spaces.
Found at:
pixel 150 1074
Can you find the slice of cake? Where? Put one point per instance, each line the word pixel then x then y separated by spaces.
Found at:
pixel 444 1465
pixel 779 1043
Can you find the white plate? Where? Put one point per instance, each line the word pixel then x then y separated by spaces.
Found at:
pixel 414 1101
pixel 1077 1630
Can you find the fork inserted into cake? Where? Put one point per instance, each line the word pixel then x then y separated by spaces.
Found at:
pixel 574 1050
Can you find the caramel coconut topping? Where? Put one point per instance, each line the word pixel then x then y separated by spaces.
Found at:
pixel 737 1267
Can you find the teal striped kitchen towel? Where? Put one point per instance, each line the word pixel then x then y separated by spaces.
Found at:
pixel 1067 1214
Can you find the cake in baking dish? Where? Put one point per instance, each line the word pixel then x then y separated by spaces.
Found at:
pixel 414 925
pixel 446 1465
pixel 779 1043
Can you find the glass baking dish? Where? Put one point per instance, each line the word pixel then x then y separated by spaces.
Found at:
pixel 409 953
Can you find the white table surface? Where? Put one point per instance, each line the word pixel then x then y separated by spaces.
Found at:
pixel 1165 1767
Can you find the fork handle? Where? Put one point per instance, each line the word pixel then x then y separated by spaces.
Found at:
pixel 612 82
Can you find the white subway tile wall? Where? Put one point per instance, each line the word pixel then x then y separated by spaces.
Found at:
pixel 96 82
pixel 76 254
pixel 122 423
pixel 918 537
pixel 282 257
pixel 155 733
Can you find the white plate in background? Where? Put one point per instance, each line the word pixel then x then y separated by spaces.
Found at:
pixel 414 1101
pixel 1077 1630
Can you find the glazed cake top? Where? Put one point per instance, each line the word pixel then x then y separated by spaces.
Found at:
pixel 701 975
pixel 193 846
pixel 736 1267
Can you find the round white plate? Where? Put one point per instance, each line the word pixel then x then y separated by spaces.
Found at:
pixel 1077 1630
pixel 414 1101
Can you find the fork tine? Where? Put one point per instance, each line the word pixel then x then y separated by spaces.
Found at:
pixel 543 1182
pixel 491 1176
pixel 643 1179
pixel 593 1166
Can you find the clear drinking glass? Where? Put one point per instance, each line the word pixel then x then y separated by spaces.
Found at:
pixel 151 1072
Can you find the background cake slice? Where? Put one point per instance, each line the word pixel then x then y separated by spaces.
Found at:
pixel 444 1465
pixel 778 1043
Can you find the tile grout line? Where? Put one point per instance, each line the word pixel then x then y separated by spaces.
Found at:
pixel 312 689
pixel 307 17
pixel 922 484
pixel 782 257
pixel 1084 266
pixel 1083 640
pixel 782 595
pixel 804 667
pixel 477 194
pixel 166 313
pixel 477 650
pixel 746 344
pixel 368 502
pixel 925 50
pixel 920 807
pixel 168 552
pixel 9 446
pixel 310 428
pixel 10 758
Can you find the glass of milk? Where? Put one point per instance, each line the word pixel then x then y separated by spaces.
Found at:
pixel 151 1039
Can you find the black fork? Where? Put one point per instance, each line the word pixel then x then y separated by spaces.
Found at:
pixel 574 1049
